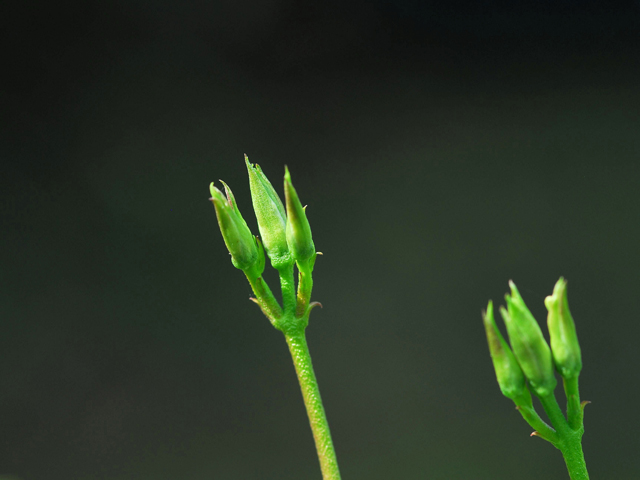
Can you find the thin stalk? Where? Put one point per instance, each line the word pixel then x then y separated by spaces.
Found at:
pixel 525 406
pixel 305 284
pixel 288 287
pixel 264 298
pixel 570 439
pixel 574 409
pixel 550 405
pixel 574 458
pixel 313 403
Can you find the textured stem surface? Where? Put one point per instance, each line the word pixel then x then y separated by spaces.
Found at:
pixel 574 458
pixel 312 401
pixel 569 439
pixel 574 409
pixel 288 287
pixel 305 284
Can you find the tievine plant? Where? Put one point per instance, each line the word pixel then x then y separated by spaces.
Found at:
pixel 286 239
pixel 529 364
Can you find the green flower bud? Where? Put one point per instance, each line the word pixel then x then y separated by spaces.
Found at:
pixel 270 215
pixel 562 331
pixel 508 372
pixel 298 229
pixel 246 251
pixel 529 346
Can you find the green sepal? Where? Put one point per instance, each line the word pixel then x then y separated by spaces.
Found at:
pixel 542 430
pixel 508 372
pixel 246 253
pixel 258 268
pixel 271 216
pixel 528 344
pixel 298 230
pixel 562 332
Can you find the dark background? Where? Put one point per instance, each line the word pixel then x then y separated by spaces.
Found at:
pixel 443 148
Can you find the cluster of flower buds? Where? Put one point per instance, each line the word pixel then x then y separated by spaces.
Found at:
pixel 285 237
pixel 530 357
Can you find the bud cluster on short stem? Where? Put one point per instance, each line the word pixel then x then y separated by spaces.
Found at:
pixel 285 237
pixel 529 363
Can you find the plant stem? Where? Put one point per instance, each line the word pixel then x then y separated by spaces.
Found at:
pixel 550 405
pixel 574 409
pixel 305 284
pixel 288 288
pixel 525 407
pixel 574 458
pixel 569 439
pixel 264 298
pixel 312 401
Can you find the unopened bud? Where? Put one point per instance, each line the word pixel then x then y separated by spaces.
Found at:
pixel 508 372
pixel 246 252
pixel 562 331
pixel 529 346
pixel 298 229
pixel 270 215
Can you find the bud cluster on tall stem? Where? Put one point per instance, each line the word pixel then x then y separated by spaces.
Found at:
pixel 285 237
pixel 530 363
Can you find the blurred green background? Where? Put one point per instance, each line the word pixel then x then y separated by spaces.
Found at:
pixel 443 148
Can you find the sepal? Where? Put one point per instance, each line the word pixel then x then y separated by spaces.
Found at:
pixel 528 344
pixel 298 230
pixel 562 332
pixel 246 254
pixel 508 373
pixel 271 216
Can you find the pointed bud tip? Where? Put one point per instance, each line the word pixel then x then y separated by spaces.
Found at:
pixel 489 310
pixel 515 293
pixel 216 194
pixel 561 284
pixel 504 313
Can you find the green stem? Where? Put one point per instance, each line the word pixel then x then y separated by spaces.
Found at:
pixel 569 439
pixel 550 405
pixel 305 285
pixel 528 412
pixel 264 298
pixel 288 287
pixel 574 458
pixel 312 401
pixel 574 409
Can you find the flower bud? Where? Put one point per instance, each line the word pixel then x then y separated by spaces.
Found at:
pixel 270 215
pixel 529 346
pixel 562 331
pixel 246 252
pixel 298 229
pixel 508 372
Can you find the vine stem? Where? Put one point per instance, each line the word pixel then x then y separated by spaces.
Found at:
pixel 569 439
pixel 315 410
